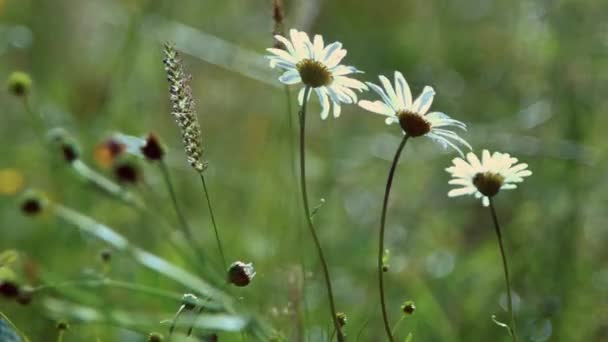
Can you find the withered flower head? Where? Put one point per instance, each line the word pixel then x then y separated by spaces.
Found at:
pixel 66 143
pixel 32 203
pixel 126 170
pixel 152 149
pixel 240 273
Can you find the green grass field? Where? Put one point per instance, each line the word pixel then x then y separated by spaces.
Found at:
pixel 113 260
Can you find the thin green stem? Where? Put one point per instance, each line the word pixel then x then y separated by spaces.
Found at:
pixel 387 192
pixel 506 269
pixel 215 230
pixel 311 227
pixel 36 120
pixel 185 228
pixel 60 335
pixel 292 167
pixel 396 326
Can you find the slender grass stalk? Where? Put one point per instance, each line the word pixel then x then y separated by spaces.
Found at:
pixel 215 230
pixel 35 119
pixel 185 228
pixel 107 282
pixel 60 334
pixel 396 325
pixel 144 258
pixel 311 227
pixel 106 185
pixel 506 269
pixel 389 183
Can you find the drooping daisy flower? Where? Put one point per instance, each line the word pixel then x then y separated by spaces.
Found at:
pixel 317 66
pixel 486 177
pixel 399 107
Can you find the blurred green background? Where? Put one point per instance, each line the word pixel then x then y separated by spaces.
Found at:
pixel 528 78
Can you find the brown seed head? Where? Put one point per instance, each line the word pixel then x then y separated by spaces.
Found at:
pixel 413 124
pixel 314 73
pixel 488 183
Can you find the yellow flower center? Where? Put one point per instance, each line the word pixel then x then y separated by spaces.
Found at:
pixel 314 73
pixel 488 183
pixel 413 124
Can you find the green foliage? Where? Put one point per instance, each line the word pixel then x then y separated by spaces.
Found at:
pixel 528 77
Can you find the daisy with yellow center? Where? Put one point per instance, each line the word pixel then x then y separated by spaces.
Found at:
pixel 412 115
pixel 317 67
pixel 486 177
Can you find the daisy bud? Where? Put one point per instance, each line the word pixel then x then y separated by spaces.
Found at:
pixel 67 144
pixel 342 320
pixel 25 295
pixel 62 326
pixel 126 170
pixel 32 203
pixel 105 255
pixel 240 274
pixel 8 289
pixel 152 150
pixel 408 307
pixel 155 337
pixel 189 301
pixel 19 83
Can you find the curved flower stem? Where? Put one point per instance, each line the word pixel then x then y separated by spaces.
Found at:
pixel 311 226
pixel 183 223
pixel 302 315
pixel 215 230
pixel 506 269
pixel 389 183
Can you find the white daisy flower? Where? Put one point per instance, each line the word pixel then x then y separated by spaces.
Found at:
pixel 317 66
pixel 399 107
pixel 485 178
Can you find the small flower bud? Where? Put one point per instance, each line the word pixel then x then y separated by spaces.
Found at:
pixel 408 307
pixel 240 274
pixel 62 326
pixel 8 289
pixel 19 83
pixel 152 150
pixel 67 144
pixel 105 255
pixel 155 337
pixel 189 301
pixel 126 170
pixel 342 320
pixel 32 203
pixel 25 295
